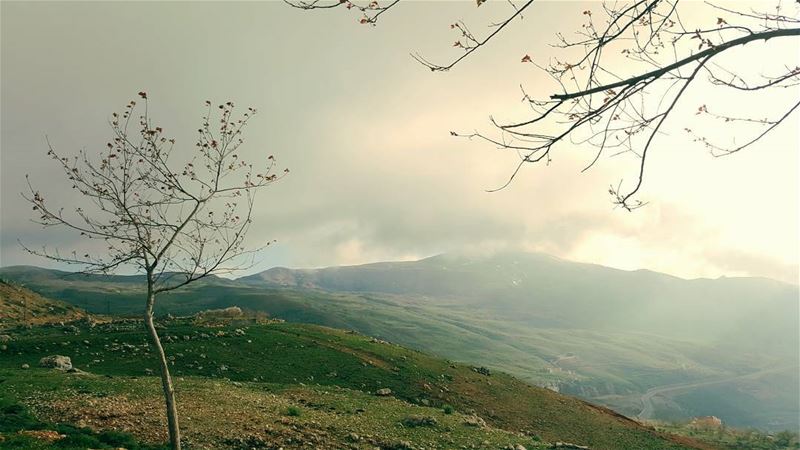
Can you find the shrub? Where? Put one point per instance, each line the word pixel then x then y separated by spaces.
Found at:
pixel 117 439
pixel 448 409
pixel 293 411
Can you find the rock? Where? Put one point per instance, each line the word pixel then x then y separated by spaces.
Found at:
pixel 384 392
pixel 567 445
pixel 519 447
pixel 419 421
pixel 44 435
pixel 26 366
pixel 482 370
pixel 397 445
pixel 56 362
pixel 706 422
pixel 474 421
pixel 353 437
pixel 5 338
pixel 232 311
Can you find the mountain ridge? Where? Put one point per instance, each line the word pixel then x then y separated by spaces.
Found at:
pixel 446 255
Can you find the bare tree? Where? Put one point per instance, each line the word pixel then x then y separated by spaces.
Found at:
pixel 622 74
pixel 174 223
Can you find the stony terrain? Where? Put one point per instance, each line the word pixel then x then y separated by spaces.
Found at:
pixel 19 305
pixel 256 383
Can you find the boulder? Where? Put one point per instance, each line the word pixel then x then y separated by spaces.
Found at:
pixel 482 370
pixel 384 392
pixel 419 421
pixel 229 312
pixel 56 362
pixel 396 445
pixel 474 421
pixel 571 446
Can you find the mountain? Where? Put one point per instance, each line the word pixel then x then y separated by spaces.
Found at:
pixel 541 290
pixel 648 345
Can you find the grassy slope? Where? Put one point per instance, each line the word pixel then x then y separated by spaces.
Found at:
pixel 611 366
pixel 20 305
pixel 325 368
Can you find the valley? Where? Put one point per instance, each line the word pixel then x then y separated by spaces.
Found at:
pixel 647 345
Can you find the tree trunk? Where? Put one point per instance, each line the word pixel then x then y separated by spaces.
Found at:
pixel 166 379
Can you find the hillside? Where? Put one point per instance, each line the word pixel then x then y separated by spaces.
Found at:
pixel 279 384
pixel 19 305
pixel 648 345
pixel 547 291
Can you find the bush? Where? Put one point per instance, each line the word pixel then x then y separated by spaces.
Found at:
pixel 14 417
pixel 117 439
pixel 448 409
pixel 293 411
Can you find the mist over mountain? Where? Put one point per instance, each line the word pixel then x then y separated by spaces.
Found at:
pixel 647 344
pixel 546 291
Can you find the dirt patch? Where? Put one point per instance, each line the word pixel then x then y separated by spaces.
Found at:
pixel 252 419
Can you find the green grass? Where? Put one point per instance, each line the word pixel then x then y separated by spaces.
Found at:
pixel 617 357
pixel 326 375
pixel 16 419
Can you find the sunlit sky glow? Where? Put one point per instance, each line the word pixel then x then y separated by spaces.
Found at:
pixel 365 131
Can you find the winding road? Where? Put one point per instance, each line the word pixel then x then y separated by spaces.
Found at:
pixel 648 408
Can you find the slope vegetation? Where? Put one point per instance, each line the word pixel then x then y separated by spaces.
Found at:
pixel 645 344
pixel 19 305
pixel 264 384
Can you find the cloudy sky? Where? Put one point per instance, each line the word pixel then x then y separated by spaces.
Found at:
pixel 365 132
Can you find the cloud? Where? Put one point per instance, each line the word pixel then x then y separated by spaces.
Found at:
pixel 365 131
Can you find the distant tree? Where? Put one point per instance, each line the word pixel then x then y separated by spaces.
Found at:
pixel 622 74
pixel 175 223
